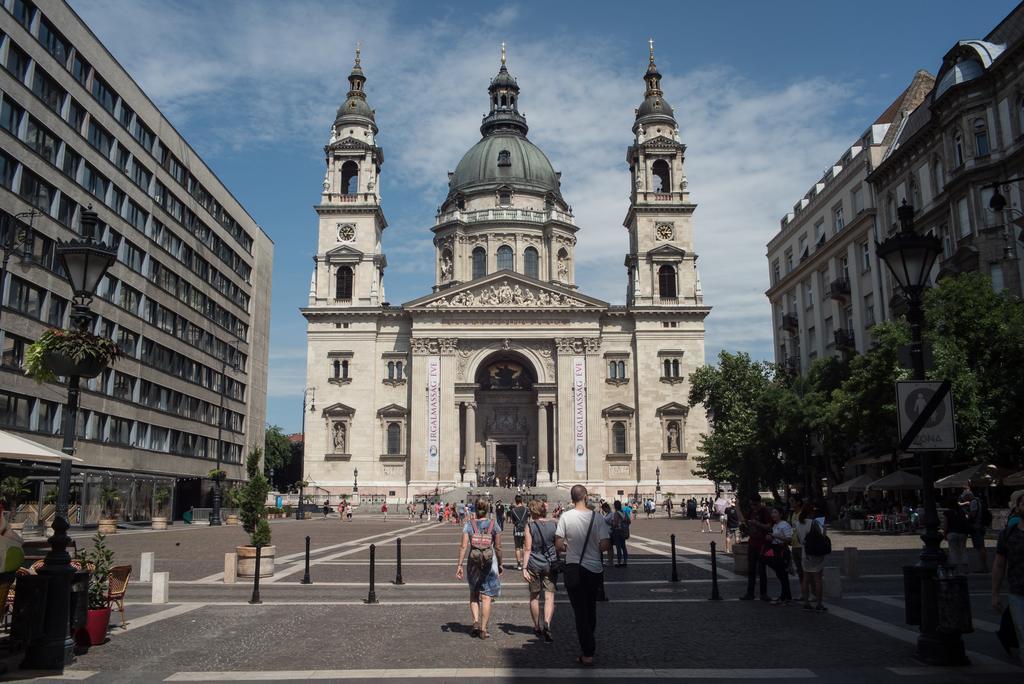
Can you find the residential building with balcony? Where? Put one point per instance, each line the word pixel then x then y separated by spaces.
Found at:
pixel 187 300
pixel 826 287
pixel 962 140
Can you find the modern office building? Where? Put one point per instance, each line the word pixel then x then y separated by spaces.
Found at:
pixel 188 299
pixel 827 286
pixel 506 368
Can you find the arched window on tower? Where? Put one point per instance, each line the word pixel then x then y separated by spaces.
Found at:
pixel 398 370
pixel 504 101
pixel 337 368
pixel 505 258
pixel 349 177
pixel 391 370
pixel 343 284
pixel 622 369
pixel 667 282
pixel 668 368
pixel 662 177
pixel 531 262
pixel 394 438
pixel 618 437
pixel 981 137
pixel 479 262
pixel 344 370
pixel 613 370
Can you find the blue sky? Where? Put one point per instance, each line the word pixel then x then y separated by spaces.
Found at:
pixel 767 95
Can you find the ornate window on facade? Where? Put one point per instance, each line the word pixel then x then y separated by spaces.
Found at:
pixel 981 138
pixel 505 258
pixel 958 148
pixel 394 368
pixel 616 368
pixel 619 425
pixel 349 177
pixel 479 262
pixel 662 177
pixel 667 282
pixel 671 366
pixel 394 439
pixel 343 284
pixel 531 263
pixel 618 437
pixel 340 365
pixel 338 431
pixel 672 417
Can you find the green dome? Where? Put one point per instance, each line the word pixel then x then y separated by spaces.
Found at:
pixel 527 168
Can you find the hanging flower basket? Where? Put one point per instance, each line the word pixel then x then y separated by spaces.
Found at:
pixel 60 352
pixel 218 475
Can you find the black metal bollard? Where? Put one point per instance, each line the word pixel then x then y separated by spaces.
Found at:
pixel 305 577
pixel 675 572
pixel 372 596
pixel 715 596
pixel 398 571
pixel 256 580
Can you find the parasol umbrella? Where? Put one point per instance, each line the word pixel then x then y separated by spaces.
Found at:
pixel 857 484
pixel 979 475
pixel 897 480
pixel 17 448
pixel 1015 480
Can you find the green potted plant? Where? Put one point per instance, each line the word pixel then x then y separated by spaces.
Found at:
pixel 98 616
pixel 217 475
pixel 69 352
pixel 232 497
pixel 110 497
pixel 252 511
pixel 161 497
pixel 12 489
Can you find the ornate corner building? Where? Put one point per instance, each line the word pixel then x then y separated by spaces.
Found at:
pixel 505 369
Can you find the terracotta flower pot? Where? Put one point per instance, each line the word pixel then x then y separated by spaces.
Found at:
pixel 65 365
pixel 96 622
pixel 247 561
pixel 232 519
pixel 159 523
pixel 108 525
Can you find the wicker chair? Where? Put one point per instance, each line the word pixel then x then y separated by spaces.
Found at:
pixel 118 585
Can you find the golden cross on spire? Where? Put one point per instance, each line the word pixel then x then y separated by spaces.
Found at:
pixel 503 53
pixel 359 48
pixel 650 44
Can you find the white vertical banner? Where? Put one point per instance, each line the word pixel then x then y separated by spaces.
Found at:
pixel 433 413
pixel 579 411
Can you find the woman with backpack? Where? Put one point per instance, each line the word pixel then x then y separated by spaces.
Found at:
pixel 481 551
pixel 815 547
pixel 619 523
pixel 541 569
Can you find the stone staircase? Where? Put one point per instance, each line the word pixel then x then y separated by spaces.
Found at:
pixel 550 493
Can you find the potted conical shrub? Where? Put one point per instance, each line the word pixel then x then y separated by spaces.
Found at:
pixel 98 616
pixel 252 510
pixel 161 497
pixel 110 497
pixel 12 489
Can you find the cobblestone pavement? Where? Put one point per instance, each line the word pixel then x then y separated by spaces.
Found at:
pixel 651 629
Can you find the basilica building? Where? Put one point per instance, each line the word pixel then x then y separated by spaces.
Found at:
pixel 505 369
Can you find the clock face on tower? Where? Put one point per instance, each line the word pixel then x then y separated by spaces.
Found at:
pixel 346 232
pixel 664 232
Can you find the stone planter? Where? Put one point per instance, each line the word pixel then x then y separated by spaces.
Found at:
pixel 739 557
pixel 246 556
pixel 65 366
pixel 856 524
pixel 232 519
pixel 108 525
pixel 159 523
pixel 18 526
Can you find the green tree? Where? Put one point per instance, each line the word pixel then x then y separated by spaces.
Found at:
pixel 253 500
pixel 977 338
pixel 277 450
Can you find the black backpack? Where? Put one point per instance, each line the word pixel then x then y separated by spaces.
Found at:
pixel 816 542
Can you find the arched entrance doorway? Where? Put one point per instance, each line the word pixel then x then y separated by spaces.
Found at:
pixel 506 423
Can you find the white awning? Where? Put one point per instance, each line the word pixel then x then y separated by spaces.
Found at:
pixel 900 479
pixel 14 447
pixel 857 484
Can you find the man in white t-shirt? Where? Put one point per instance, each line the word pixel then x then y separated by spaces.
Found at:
pixel 720 505
pixel 583 549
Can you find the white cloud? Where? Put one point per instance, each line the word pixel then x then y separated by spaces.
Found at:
pixel 279 73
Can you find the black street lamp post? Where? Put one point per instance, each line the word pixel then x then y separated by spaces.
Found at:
pixel 84 262
pixel 910 257
pixel 657 486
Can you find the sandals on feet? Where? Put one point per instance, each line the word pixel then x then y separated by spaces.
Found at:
pixel 475 632
pixel 484 634
pixel 585 663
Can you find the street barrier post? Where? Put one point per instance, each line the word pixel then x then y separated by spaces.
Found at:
pixel 305 577
pixel 715 596
pixel 372 596
pixel 675 572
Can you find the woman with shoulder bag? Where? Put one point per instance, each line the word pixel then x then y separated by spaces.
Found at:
pixel 777 554
pixel 541 568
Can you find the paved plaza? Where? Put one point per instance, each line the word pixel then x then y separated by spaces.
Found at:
pixel 651 628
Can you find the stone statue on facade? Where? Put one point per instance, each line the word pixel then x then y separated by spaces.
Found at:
pixel 446 267
pixel 673 439
pixel 339 437
pixel 563 268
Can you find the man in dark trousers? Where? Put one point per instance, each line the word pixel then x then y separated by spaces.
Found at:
pixel 519 515
pixel 583 536
pixel 759 524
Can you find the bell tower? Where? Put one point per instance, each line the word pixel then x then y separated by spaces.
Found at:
pixel 661 264
pixel 349 262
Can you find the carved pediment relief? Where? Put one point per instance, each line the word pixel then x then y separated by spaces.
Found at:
pixel 661 142
pixel 617 410
pixel 672 409
pixel 508 292
pixel 337 410
pixel 343 253
pixel 392 411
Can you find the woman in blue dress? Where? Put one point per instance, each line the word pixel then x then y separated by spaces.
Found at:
pixel 481 552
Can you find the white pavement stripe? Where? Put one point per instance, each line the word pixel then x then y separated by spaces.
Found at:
pixel 701 563
pixel 156 617
pixel 927 670
pixel 300 565
pixel 898 602
pixel 77 675
pixel 895 631
pixel 498 672
pixel 218 576
pixel 383 600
